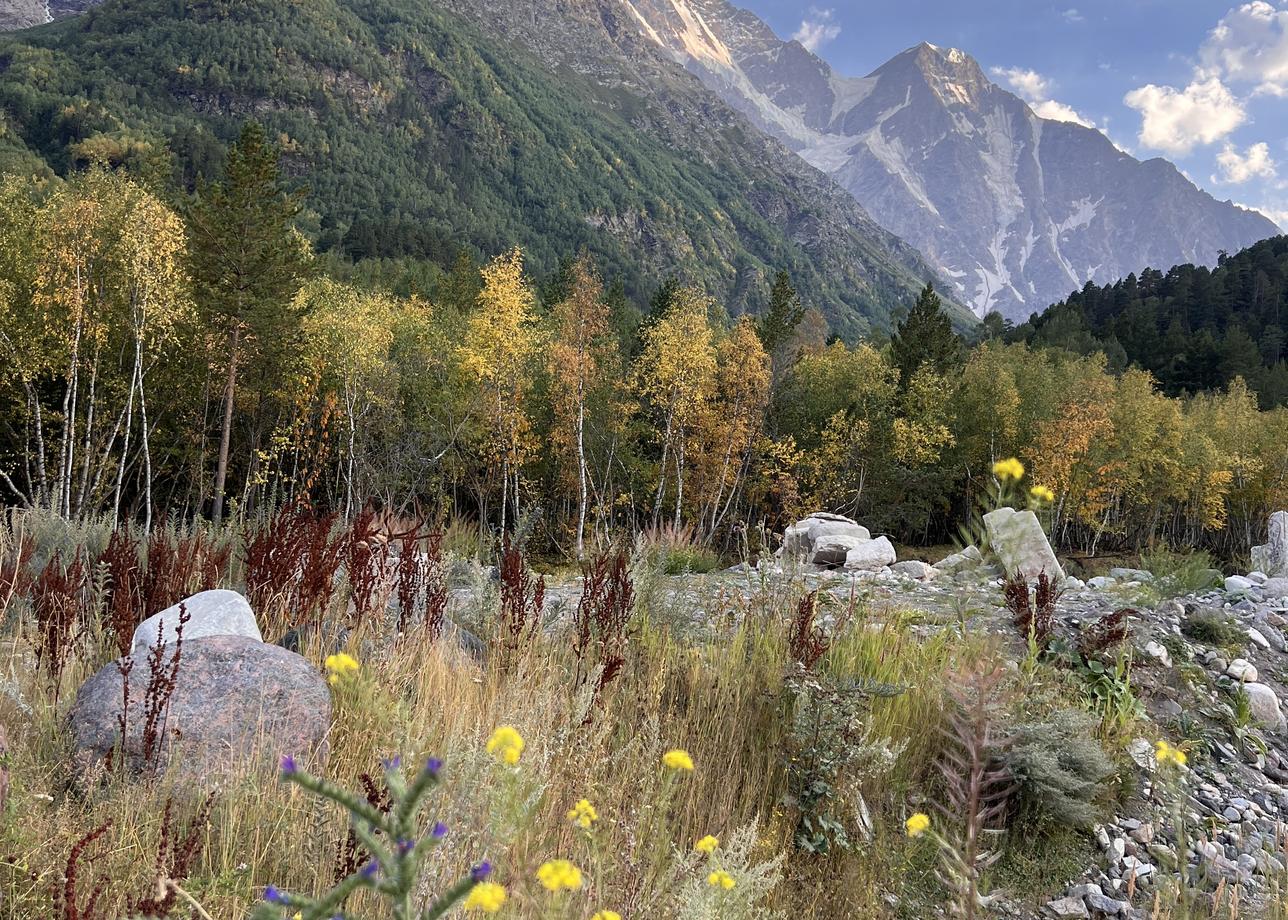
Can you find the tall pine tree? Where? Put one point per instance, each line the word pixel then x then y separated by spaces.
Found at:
pixel 925 336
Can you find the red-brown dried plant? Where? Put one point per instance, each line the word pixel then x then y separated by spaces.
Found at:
pixel 1033 615
pixel 349 855
pixel 977 785
pixel 124 599
pixel 602 617
pixel 523 599
pixel 180 567
pixel 367 561
pixel 15 570
pixel 411 576
pixel 1105 633
pixel 321 557
pixel 435 585
pixel 807 643
pixel 175 857
pixel 60 599
pixel 67 902
pixel 163 677
pixel 124 666
pixel 272 555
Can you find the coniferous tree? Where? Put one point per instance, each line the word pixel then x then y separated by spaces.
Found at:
pixel 783 316
pixel 924 336
pixel 248 263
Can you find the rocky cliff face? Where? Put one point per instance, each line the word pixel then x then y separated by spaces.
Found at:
pixel 1015 209
pixel 22 14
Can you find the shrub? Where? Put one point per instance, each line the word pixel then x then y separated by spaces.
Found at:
pixel 677 551
pixel 1215 629
pixel 1058 768
pixel 1178 574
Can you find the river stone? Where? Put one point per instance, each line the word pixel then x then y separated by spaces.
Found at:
pixel 1021 544
pixel 969 558
pixel 236 699
pixel 1237 584
pixel 211 613
pixel 1264 703
pixel 870 556
pixel 915 568
pixel 1275 588
pixel 834 548
pixel 801 538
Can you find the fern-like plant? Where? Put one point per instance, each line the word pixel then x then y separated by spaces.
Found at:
pixel 398 841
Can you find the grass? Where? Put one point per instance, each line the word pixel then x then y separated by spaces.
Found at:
pixel 708 669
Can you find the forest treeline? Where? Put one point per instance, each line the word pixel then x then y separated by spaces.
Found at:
pixel 188 354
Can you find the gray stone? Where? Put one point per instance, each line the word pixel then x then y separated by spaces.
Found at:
pixel 1237 584
pixel 1159 653
pixel 833 548
pixel 235 700
pixel 870 556
pixel 1243 670
pixel 211 613
pixel 969 558
pixel 915 568
pixel 1131 574
pixel 1275 588
pixel 800 538
pixel 1067 908
pixel 1021 545
pixel 1101 582
pixel 1107 906
pixel 1272 557
pixel 1264 703
pixel 1258 639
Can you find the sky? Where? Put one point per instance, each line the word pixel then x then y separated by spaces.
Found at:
pixel 1202 83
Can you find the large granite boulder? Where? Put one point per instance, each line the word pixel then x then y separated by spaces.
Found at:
pixel 800 539
pixel 1264 704
pixel 210 613
pixel 966 560
pixel 1272 557
pixel 1021 545
pixel 870 556
pixel 235 699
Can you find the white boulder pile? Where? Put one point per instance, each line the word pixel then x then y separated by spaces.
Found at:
pixel 832 541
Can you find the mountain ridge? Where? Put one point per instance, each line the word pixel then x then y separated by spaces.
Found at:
pixel 1015 209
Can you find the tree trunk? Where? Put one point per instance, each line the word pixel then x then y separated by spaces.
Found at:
pixel 226 430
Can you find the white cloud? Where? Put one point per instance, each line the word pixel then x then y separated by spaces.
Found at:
pixel 1072 15
pixel 1250 45
pixel 1176 121
pixel 817 29
pixel 1035 89
pixel 1237 168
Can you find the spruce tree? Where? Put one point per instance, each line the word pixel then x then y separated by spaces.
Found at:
pixel 924 336
pixel 783 316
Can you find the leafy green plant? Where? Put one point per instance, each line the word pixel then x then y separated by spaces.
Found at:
pixel 1216 630
pixel 398 844
pixel 1178 574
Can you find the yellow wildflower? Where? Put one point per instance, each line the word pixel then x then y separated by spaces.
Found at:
pixel 1008 469
pixel 918 824
pixel 1042 494
pixel 486 896
pixel 677 760
pixel 606 915
pixel 1166 753
pixel 559 873
pixel 506 744
pixel 720 879
pixel 583 814
pixel 340 666
pixel 707 845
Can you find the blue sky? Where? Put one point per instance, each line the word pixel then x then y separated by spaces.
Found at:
pixel 1202 83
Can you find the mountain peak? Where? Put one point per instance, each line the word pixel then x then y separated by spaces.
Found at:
pixel 952 74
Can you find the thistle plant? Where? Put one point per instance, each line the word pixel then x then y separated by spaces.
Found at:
pixel 398 841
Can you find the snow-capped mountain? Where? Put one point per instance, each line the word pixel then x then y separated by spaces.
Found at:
pixel 1016 210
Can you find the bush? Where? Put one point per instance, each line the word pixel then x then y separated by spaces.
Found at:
pixel 1058 768
pixel 1178 574
pixel 677 551
pixel 1216 630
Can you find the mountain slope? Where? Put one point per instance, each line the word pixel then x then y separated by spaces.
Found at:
pixel 414 131
pixel 1017 210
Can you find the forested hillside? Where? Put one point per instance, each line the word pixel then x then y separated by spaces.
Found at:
pixel 1193 328
pixel 413 134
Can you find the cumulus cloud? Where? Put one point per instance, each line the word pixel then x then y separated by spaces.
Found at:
pixel 1250 45
pixel 1177 120
pixel 1237 168
pixel 1072 15
pixel 817 29
pixel 1035 89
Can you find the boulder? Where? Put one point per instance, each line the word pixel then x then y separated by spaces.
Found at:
pixel 915 568
pixel 1264 703
pixel 800 538
pixel 834 548
pixel 1237 584
pixel 235 699
pixel 870 556
pixel 1021 544
pixel 1275 588
pixel 969 558
pixel 210 613
pixel 1272 557
pixel 1242 670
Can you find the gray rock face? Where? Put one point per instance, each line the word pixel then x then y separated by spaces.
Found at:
pixel 1272 557
pixel 1014 209
pixel 1021 544
pixel 22 14
pixel 235 699
pixel 870 556
pixel 211 613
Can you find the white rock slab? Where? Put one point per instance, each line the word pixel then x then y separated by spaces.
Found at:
pixel 211 613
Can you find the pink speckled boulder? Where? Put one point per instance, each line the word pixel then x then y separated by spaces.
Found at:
pixel 235 700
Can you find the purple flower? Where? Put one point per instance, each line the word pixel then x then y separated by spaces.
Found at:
pixel 439 831
pixel 288 764
pixel 393 763
pixel 273 896
pixel 481 871
pixel 370 869
pixel 405 846
pixel 433 765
